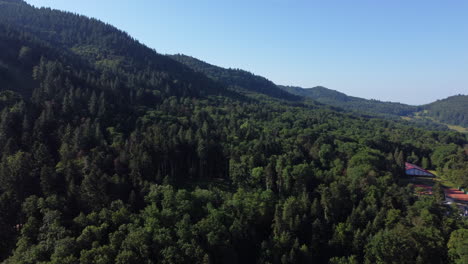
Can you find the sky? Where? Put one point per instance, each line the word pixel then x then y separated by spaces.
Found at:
pixel 413 52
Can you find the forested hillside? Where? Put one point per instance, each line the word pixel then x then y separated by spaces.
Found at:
pixel 245 82
pixel 452 110
pixel 236 78
pixel 113 153
pixel 335 98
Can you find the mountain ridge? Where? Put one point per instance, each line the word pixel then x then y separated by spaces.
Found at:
pixel 112 153
pixel 445 114
pixel 235 77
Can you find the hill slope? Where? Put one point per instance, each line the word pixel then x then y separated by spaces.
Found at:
pixel 335 98
pixel 101 47
pixel 112 153
pixel 453 110
pixel 235 78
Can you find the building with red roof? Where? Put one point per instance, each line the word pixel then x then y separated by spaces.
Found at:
pixel 414 170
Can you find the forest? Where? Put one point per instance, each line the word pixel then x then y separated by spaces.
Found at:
pixel 433 116
pixel 113 153
pixel 332 97
pixel 452 110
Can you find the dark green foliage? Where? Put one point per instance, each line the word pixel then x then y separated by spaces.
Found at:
pixel 438 192
pixel 452 110
pixel 458 246
pixel 112 153
pixel 335 98
pixel 236 78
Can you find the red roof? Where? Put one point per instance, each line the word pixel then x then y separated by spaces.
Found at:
pixel 409 166
pixel 456 194
pixel 449 192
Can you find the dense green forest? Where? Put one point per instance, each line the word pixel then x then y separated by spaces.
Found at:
pixel 449 111
pixel 236 78
pixel 332 97
pixel 113 153
pixel 452 110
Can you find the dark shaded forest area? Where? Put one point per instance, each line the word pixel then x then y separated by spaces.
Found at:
pixel 113 153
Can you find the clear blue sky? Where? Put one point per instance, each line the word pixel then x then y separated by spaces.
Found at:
pixel 411 51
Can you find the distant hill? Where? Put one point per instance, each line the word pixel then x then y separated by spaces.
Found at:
pixel 453 110
pixel 236 78
pixel 450 111
pixel 338 99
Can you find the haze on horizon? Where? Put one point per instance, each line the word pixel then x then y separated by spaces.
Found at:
pixel 412 52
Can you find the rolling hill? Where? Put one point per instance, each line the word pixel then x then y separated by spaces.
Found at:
pixel 236 78
pixel 113 153
pixel 451 111
pixel 243 81
pixel 338 99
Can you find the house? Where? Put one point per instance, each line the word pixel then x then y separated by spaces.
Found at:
pixel 414 170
